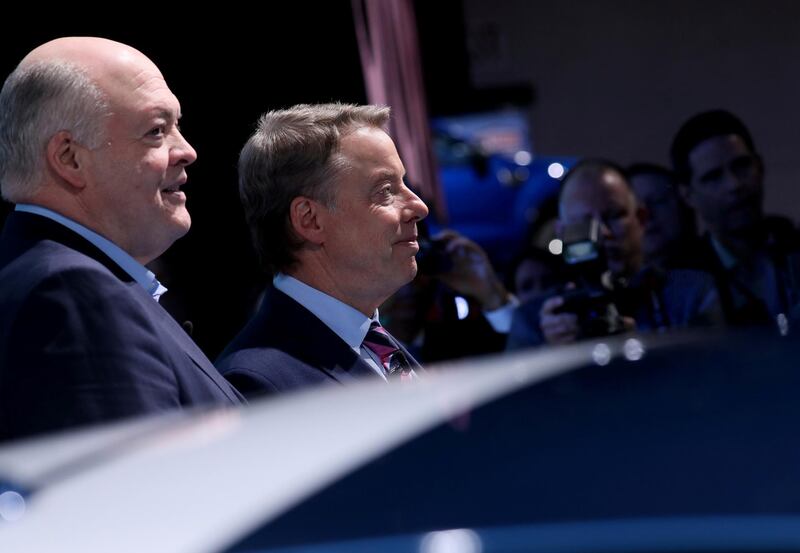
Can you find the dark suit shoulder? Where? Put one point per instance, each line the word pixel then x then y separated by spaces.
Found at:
pixel 78 344
pixel 289 348
pixel 268 370
pixel 51 260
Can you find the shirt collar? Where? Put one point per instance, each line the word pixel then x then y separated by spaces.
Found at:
pixel 138 272
pixel 347 322
pixel 727 259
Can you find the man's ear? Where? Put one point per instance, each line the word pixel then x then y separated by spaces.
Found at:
pixel 65 157
pixel 307 217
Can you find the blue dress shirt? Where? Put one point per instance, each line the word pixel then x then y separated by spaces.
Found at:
pixel 348 323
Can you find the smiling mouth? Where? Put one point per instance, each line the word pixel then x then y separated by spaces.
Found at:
pixel 172 189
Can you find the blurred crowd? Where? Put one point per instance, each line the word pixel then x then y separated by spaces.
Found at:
pixel 643 247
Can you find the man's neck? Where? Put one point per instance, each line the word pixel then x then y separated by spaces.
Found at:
pixel 324 282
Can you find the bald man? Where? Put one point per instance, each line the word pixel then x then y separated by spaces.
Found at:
pixel 92 156
pixel 642 298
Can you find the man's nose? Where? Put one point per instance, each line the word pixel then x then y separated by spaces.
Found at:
pixel 416 207
pixel 182 152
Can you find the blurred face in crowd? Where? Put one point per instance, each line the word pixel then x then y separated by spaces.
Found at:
pixel 606 196
pixel 370 235
pixel 726 186
pixel 666 214
pixel 532 278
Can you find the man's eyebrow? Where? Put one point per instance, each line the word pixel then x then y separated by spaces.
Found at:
pixel 164 113
pixel 384 175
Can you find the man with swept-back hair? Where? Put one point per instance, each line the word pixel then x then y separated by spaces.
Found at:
pixel 755 258
pixel 91 154
pixel 335 226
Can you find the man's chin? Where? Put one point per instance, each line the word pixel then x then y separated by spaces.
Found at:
pixel 413 271
pixel 182 222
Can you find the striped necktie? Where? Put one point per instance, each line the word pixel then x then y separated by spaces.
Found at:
pixel 394 361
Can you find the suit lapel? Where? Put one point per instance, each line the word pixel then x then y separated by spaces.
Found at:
pixel 174 331
pixel 302 335
pixel 415 365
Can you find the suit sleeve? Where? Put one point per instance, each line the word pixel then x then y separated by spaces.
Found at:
pixel 80 351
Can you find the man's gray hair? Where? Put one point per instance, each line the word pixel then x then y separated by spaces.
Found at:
pixel 294 152
pixel 38 100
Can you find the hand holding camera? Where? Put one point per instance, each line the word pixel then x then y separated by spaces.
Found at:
pixel 558 326
pixel 587 307
pixel 464 266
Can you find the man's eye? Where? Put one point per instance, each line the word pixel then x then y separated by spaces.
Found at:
pixel 156 131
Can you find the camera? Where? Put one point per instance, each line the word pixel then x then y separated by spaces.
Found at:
pixel 581 244
pixel 593 300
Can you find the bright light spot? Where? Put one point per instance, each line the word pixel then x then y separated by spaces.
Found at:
pixel 601 354
pixel 12 506
pixel 555 170
pixel 451 541
pixel 523 158
pixel 462 308
pixel 633 349
pixel 555 246
pixel 783 324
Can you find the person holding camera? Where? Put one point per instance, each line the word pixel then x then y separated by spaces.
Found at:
pixel 456 307
pixel 335 226
pixel 611 290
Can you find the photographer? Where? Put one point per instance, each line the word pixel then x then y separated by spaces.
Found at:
pixel 612 291
pixel 457 306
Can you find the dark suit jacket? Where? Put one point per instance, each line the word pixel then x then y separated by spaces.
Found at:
pixel 81 341
pixel 286 347
pixel 782 246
